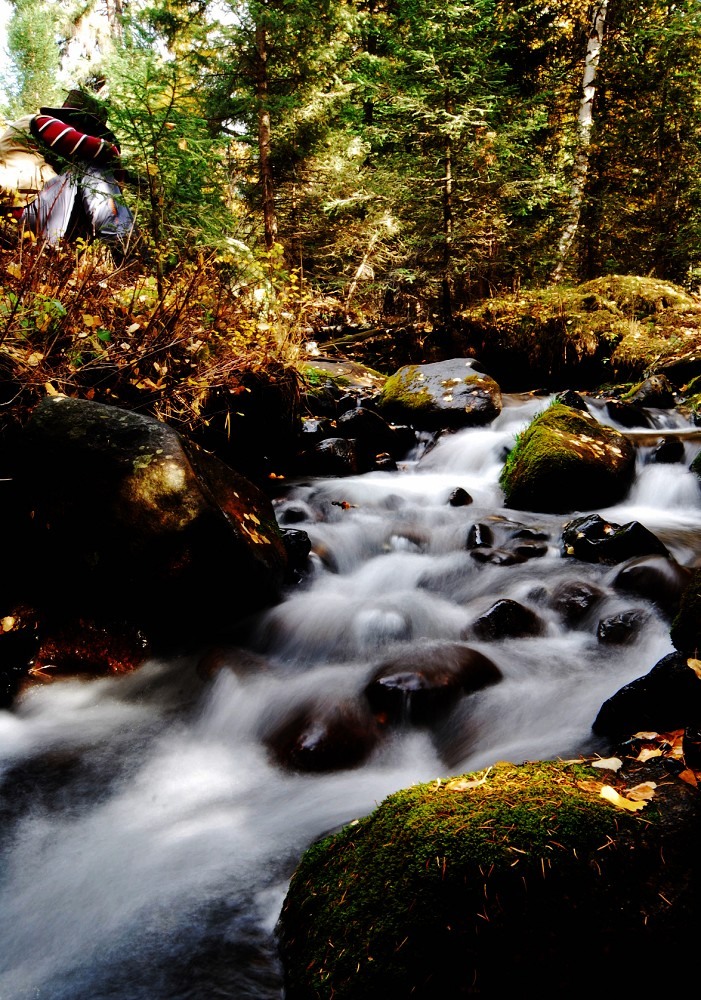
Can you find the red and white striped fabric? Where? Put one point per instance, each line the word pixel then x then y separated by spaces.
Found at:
pixel 71 143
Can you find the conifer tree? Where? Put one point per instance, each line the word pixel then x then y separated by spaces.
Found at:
pixel 34 57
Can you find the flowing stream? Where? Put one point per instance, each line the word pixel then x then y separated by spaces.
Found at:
pixel 147 835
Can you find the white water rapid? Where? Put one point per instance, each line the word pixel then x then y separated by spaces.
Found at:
pixel 147 836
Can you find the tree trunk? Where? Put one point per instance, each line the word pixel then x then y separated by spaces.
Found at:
pixel 371 49
pixel 266 173
pixel 446 284
pixel 584 126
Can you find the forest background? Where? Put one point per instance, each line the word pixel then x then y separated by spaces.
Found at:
pixel 302 166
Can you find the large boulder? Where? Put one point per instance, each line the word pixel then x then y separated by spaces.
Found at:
pixel 481 884
pixel 131 521
pixel 566 461
pixel 447 394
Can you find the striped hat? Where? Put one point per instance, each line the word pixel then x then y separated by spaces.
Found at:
pixel 85 113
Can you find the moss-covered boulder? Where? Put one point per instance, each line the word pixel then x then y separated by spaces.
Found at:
pixel 566 460
pixel 620 327
pixel 522 878
pixel 447 394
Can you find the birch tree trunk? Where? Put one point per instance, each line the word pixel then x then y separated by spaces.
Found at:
pixel 585 121
pixel 265 167
pixel 446 282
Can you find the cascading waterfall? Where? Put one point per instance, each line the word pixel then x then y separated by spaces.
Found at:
pixel 147 833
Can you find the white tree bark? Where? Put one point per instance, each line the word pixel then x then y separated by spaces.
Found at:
pixel 585 121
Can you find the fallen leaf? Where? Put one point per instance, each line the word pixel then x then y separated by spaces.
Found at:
pixel 646 754
pixel 15 270
pixel 645 736
pixel 695 666
pixel 147 383
pixel 642 792
pixel 609 763
pixel 612 796
pixel 689 777
pixel 7 623
pixel 590 786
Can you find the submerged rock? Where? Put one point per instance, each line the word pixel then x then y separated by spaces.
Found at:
pixel 660 579
pixel 419 684
pixel 323 736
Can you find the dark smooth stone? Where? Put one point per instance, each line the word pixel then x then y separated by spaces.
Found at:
pixel 459 497
pixel 574 600
pixel 621 629
pixel 659 579
pixel 321 737
pixel 507 619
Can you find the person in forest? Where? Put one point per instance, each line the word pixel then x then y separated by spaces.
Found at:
pixel 58 174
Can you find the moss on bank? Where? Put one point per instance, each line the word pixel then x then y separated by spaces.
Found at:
pixel 620 327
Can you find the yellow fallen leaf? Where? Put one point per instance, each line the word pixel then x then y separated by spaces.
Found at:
pixel 51 390
pixel 645 736
pixel 695 666
pixel 612 796
pixel 646 754
pixel 7 623
pixel 35 358
pixel 147 383
pixel 90 321
pixel 642 792
pixel 609 763
pixel 15 270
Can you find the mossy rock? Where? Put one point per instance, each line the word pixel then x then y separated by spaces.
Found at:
pixel 566 460
pixel 619 327
pixel 522 876
pixel 447 394
pixel 346 375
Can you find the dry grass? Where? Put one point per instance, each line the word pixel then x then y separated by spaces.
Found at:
pixel 73 322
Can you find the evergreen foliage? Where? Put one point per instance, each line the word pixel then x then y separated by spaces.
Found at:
pixel 32 43
pixel 408 158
